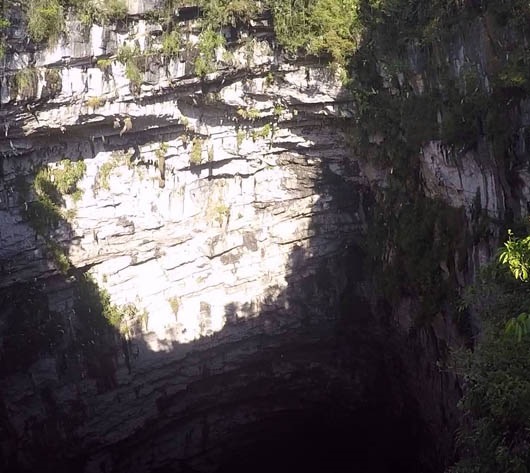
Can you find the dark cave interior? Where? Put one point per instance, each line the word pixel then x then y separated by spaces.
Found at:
pixel 368 440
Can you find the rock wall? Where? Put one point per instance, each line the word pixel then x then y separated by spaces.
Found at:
pixel 203 199
pixel 220 207
pixel 231 212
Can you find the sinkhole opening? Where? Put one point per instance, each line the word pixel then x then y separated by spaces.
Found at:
pixel 368 440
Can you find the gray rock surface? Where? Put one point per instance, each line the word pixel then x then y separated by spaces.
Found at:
pixel 231 211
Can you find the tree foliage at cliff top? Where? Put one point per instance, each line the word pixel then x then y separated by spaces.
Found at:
pixel 329 27
pixel 318 26
pixel 46 18
pixel 314 26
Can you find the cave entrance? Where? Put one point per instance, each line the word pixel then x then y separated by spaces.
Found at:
pixel 322 440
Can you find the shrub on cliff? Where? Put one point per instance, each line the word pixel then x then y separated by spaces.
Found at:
pixel 329 27
pixel 90 12
pixel 26 83
pixel 209 41
pixel 45 20
pixel 228 12
pixel 496 406
pixel 496 401
pixel 171 43
pixel 318 26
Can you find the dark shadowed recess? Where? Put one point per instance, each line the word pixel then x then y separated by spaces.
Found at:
pixel 371 422
pixel 368 440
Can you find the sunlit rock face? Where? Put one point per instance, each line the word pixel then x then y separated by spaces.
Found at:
pixel 219 224
pixel 230 211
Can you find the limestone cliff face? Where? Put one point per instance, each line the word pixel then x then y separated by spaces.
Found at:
pixel 229 210
pixel 214 206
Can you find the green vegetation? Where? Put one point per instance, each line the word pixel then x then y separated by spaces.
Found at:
pixel 269 79
pixel 265 132
pixel 45 20
pixel 327 27
pixel 54 82
pixel 196 152
pixel 100 311
pixel 31 330
pixel 98 301
pixel 249 113
pixel 58 255
pixel 219 13
pixel 45 213
pixel 240 136
pixel 455 108
pixel 496 401
pixel 52 184
pixel 104 64
pixel 318 26
pixel 162 150
pixel 133 73
pixel 160 154
pixel 134 60
pixel 516 255
pixel 4 24
pixel 102 329
pixel 26 82
pixel 103 13
pixel 417 245
pixel 102 179
pixel 402 106
pixel 113 314
pixel 171 43
pixel 184 121
pixel 66 177
pixel 171 40
pixel 324 27
pixel 409 240
pixel 174 303
pixel 209 41
pixel 114 10
pixel 94 102
pixel 278 110
pixel 250 46
pixel 221 211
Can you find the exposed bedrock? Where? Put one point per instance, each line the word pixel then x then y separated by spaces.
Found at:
pixel 229 215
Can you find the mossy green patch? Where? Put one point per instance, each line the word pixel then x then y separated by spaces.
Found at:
pixel 196 152
pixel 50 185
pixel 102 179
pixel 171 43
pixel 209 41
pixel 26 82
